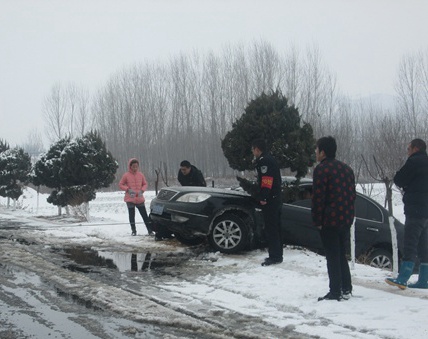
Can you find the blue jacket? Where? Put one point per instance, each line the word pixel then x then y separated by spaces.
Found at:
pixel 413 179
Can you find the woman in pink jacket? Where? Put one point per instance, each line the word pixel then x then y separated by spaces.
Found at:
pixel 134 184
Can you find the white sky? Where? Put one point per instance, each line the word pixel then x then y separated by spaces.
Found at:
pixel 85 41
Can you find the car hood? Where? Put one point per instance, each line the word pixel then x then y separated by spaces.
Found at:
pixel 208 190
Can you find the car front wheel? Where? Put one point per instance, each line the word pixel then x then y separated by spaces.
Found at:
pixel 379 258
pixel 229 234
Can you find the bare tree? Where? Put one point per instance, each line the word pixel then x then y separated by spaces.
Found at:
pixel 387 140
pixel 55 113
pixel 265 68
pixel 34 144
pixel 293 77
pixel 409 90
pixel 66 112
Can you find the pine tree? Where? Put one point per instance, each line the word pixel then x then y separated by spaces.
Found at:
pixel 87 166
pixel 289 139
pixel 47 170
pixel 75 169
pixel 15 168
pixel 4 146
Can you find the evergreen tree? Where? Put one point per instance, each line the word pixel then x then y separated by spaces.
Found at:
pixel 15 168
pixel 4 146
pixel 47 170
pixel 289 140
pixel 87 166
pixel 75 169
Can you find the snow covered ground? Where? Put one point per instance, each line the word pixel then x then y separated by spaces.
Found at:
pixel 283 295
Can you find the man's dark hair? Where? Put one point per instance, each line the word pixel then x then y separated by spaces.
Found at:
pixel 260 144
pixel 328 145
pixel 419 143
pixel 185 163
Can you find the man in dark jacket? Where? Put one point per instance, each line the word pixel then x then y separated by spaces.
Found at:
pixel 189 175
pixel 413 179
pixel 333 214
pixel 269 179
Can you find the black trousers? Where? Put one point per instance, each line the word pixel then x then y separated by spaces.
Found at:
pixel 416 240
pixel 142 209
pixel 272 218
pixel 334 240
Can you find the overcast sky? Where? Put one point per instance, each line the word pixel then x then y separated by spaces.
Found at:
pixel 85 41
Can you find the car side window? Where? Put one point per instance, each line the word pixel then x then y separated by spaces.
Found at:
pixel 365 209
pixel 300 196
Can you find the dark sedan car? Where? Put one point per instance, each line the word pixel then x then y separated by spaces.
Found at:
pixel 232 220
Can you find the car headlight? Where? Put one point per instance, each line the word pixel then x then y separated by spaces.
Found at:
pixel 194 197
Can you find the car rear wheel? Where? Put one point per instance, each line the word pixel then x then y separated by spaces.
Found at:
pixel 229 234
pixel 379 258
pixel 189 241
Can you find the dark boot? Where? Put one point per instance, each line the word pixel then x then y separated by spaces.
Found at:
pixel 422 279
pixel 406 270
pixel 133 230
pixel 149 226
pixel 331 296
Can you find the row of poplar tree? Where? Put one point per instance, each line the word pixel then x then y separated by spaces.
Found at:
pixel 75 168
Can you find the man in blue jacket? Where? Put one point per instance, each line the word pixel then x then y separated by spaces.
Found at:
pixel 333 214
pixel 413 179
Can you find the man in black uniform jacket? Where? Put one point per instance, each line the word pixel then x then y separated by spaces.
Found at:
pixel 269 179
pixel 189 175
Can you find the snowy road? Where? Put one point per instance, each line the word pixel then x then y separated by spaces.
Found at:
pixel 76 292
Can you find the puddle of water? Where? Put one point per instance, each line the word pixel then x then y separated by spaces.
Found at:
pixel 84 259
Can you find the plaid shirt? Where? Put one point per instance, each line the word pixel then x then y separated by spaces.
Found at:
pixel 333 194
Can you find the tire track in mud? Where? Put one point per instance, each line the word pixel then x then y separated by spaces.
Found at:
pixel 123 296
pixel 102 295
pixel 201 315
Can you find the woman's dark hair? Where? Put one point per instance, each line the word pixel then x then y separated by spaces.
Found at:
pixel 133 161
pixel 328 145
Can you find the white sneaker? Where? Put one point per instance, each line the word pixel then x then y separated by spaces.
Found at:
pixel 346 295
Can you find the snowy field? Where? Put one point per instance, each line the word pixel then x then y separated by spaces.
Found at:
pixel 283 295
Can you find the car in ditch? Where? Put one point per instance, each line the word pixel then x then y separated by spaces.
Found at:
pixel 232 220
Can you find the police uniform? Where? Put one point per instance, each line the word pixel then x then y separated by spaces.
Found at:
pixel 269 179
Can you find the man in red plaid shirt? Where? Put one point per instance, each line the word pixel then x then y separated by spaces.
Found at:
pixel 333 214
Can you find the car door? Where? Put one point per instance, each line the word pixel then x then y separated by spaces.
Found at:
pixel 297 221
pixel 369 224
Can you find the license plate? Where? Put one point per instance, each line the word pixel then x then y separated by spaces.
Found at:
pixel 157 209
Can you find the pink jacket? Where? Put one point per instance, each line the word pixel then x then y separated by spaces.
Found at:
pixel 135 182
